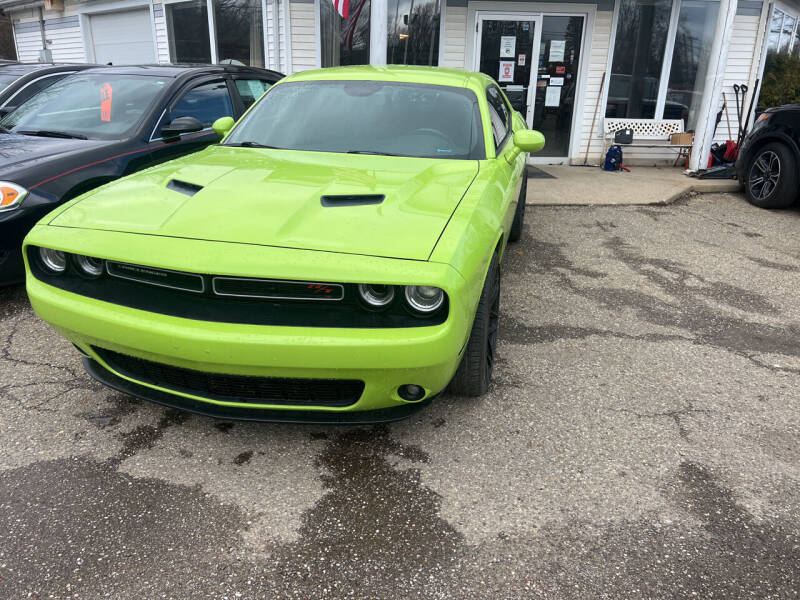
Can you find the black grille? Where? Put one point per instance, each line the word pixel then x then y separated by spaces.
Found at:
pixel 223 299
pixel 237 388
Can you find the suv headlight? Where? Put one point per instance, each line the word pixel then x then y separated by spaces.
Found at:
pixel 11 195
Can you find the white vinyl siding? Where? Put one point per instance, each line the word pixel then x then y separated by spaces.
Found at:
pixel 276 26
pixel 63 32
pixel 598 59
pixel 67 40
pixel 741 56
pixel 162 42
pixel 455 37
pixel 29 41
pixel 304 36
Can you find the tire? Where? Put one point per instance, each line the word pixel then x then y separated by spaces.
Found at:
pixel 475 371
pixel 519 215
pixel 772 177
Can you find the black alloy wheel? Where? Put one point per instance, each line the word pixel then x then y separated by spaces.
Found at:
pixel 475 370
pixel 772 177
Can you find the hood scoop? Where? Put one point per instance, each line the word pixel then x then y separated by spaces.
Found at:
pixel 183 187
pixel 352 200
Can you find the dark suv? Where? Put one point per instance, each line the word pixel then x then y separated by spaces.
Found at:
pixel 769 158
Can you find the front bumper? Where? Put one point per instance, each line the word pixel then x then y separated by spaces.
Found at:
pixel 308 417
pixel 383 359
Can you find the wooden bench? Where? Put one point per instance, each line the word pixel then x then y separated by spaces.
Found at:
pixel 647 133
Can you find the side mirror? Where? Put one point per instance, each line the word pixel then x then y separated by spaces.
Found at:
pixel 222 126
pixel 525 140
pixel 179 126
pixel 7 110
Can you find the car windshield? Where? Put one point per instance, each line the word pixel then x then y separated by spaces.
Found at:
pixel 94 106
pixel 365 117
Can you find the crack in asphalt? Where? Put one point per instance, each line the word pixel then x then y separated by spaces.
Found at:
pixel 676 415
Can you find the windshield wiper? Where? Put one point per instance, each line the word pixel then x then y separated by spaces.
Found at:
pixel 375 152
pixel 55 134
pixel 249 144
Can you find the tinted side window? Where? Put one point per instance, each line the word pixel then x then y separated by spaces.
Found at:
pixel 498 112
pixel 206 102
pixel 251 90
pixel 34 88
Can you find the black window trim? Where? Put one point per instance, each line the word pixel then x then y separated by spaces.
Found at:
pixel 185 89
pixel 509 131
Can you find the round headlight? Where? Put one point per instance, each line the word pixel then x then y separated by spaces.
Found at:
pixel 89 266
pixel 424 298
pixel 374 295
pixel 53 260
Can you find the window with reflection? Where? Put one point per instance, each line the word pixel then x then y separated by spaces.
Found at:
pixel 187 27
pixel 344 42
pixel 413 31
pixel 239 32
pixel 697 23
pixel 642 29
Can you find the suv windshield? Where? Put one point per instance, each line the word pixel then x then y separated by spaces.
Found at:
pixel 95 106
pixel 365 117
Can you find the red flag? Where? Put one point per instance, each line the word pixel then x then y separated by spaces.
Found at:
pixel 342 7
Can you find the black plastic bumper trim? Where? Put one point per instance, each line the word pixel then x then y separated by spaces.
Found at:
pixel 364 417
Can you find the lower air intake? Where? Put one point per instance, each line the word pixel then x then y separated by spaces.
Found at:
pixel 236 388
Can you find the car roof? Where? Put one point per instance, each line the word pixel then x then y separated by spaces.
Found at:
pixel 179 70
pixel 23 68
pixel 398 73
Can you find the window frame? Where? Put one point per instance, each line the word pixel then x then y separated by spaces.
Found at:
pixel 666 65
pixel 155 135
pixel 212 31
pixel 786 11
pixel 499 147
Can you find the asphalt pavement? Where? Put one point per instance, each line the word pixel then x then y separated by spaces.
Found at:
pixel 641 439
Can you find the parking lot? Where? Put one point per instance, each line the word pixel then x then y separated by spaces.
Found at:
pixel 641 440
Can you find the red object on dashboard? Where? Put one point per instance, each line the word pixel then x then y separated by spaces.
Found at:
pixel 105 102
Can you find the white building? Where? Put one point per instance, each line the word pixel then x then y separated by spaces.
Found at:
pixel 568 66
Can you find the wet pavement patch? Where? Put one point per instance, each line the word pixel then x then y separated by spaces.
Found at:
pixel 144 437
pixel 243 458
pixel 377 531
pixel 76 526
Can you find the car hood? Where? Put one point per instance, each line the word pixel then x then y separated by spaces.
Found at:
pixel 309 200
pixel 19 152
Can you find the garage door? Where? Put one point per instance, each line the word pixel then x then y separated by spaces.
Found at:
pixel 123 37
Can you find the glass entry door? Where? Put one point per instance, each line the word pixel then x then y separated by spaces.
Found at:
pixel 557 82
pixel 508 52
pixel 536 60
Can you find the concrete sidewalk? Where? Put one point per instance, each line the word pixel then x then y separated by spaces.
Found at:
pixel 565 185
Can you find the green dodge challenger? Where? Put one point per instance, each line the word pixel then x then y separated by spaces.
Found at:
pixel 336 258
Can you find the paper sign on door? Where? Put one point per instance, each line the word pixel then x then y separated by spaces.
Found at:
pixel 557 48
pixel 506 71
pixel 508 43
pixel 521 60
pixel 552 96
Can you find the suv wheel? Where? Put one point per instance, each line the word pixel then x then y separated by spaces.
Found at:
pixel 772 177
pixel 475 371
